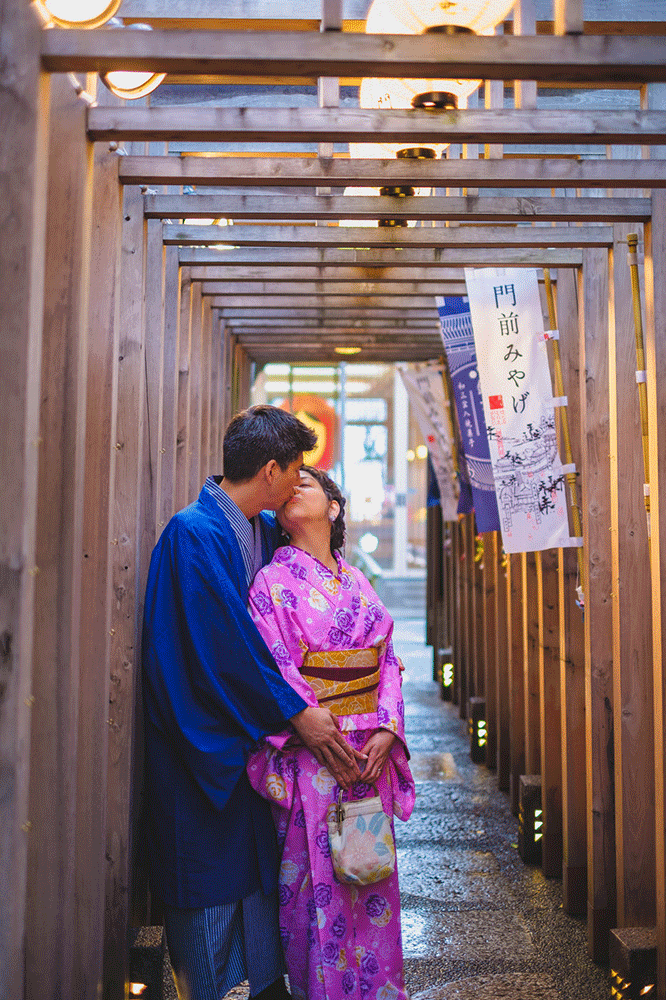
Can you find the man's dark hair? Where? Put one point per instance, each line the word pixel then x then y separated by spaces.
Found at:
pixel 259 434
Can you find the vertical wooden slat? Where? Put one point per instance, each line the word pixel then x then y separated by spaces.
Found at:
pixel 502 663
pixel 466 662
pixel 94 654
pixel 24 99
pixel 531 664
pixel 457 605
pixel 51 857
pixel 524 23
pixel 632 642
pixel 572 644
pixel 516 678
pixel 194 483
pixel 489 646
pixel 549 705
pixel 171 321
pixel 132 520
pixel 655 348
pixel 183 392
pixel 569 17
pixel 595 471
pixel 479 622
pixel 215 355
pixel 153 291
pixel 206 385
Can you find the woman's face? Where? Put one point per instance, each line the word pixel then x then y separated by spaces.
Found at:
pixel 309 505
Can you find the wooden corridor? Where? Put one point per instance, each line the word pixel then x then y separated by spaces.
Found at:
pixel 129 339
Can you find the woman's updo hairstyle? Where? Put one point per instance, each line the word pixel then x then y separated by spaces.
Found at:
pixel 332 491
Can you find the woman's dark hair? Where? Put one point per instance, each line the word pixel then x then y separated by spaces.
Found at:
pixel 332 491
pixel 259 434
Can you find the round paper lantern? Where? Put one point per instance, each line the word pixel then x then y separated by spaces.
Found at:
pixel 79 13
pixel 131 85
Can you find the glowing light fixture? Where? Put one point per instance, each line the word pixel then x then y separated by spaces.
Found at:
pixel 478 729
pixel 138 989
pixel 373 192
pixel 347 350
pixel 447 678
pixel 422 451
pixel 131 85
pixel 78 13
pixel 530 819
pixel 369 542
pixel 416 17
pixel 411 455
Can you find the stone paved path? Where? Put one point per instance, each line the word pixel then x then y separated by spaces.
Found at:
pixel 477 923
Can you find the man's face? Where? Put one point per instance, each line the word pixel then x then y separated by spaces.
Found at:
pixel 285 483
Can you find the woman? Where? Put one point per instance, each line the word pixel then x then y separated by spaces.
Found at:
pixel 331 637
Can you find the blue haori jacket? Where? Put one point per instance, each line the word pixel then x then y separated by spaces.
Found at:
pixel 211 690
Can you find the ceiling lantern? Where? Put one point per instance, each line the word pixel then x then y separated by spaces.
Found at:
pixel 131 85
pixel 78 13
pixel 417 16
pixel 374 192
pixel 395 17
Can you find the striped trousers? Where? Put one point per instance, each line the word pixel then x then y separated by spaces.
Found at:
pixel 216 948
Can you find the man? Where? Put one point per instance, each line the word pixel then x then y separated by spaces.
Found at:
pixel 212 690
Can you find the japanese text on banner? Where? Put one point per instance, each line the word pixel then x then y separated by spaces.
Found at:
pixel 518 402
pixel 425 388
pixel 458 338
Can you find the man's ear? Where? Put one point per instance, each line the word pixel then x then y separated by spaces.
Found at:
pixel 270 470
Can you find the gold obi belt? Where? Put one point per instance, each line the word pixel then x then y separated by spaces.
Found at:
pixel 344 680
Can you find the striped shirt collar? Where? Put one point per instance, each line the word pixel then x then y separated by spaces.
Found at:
pixel 245 531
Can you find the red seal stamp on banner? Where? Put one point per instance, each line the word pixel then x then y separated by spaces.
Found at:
pixel 496 409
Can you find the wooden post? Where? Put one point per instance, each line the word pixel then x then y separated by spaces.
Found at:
pixel 489 644
pixel 518 613
pixel 655 345
pixel 215 394
pixel 195 482
pixel 549 705
pixel 55 682
pixel 24 99
pixel 133 525
pixel 96 549
pixel 206 389
pixel 595 471
pixel 458 653
pixel 632 642
pixel 571 645
pixel 502 663
pixel 531 664
pixel 465 676
pixel 183 394
pixel 171 322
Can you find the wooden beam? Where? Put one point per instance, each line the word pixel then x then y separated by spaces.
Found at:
pixel 197 124
pixel 379 258
pixel 361 278
pixel 415 305
pixel 248 171
pixel 436 240
pixel 568 17
pixel 328 291
pixel 283 207
pixel 597 586
pixel 305 54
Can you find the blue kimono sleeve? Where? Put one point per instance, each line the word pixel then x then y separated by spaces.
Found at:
pixel 211 686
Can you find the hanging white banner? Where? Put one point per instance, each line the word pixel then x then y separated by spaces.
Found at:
pixel 425 388
pixel 519 407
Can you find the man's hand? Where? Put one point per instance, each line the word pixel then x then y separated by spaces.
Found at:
pixel 318 728
pixel 377 748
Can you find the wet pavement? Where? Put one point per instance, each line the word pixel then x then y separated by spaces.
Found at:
pixel 477 923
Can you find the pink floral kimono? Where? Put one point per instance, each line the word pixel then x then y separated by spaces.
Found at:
pixel 340 941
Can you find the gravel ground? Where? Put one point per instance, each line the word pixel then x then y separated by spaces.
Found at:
pixel 477 923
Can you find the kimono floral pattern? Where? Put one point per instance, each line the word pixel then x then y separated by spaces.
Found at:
pixel 340 941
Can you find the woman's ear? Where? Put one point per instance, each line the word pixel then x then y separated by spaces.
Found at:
pixel 333 510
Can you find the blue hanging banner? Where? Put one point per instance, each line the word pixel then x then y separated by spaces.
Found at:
pixel 458 337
